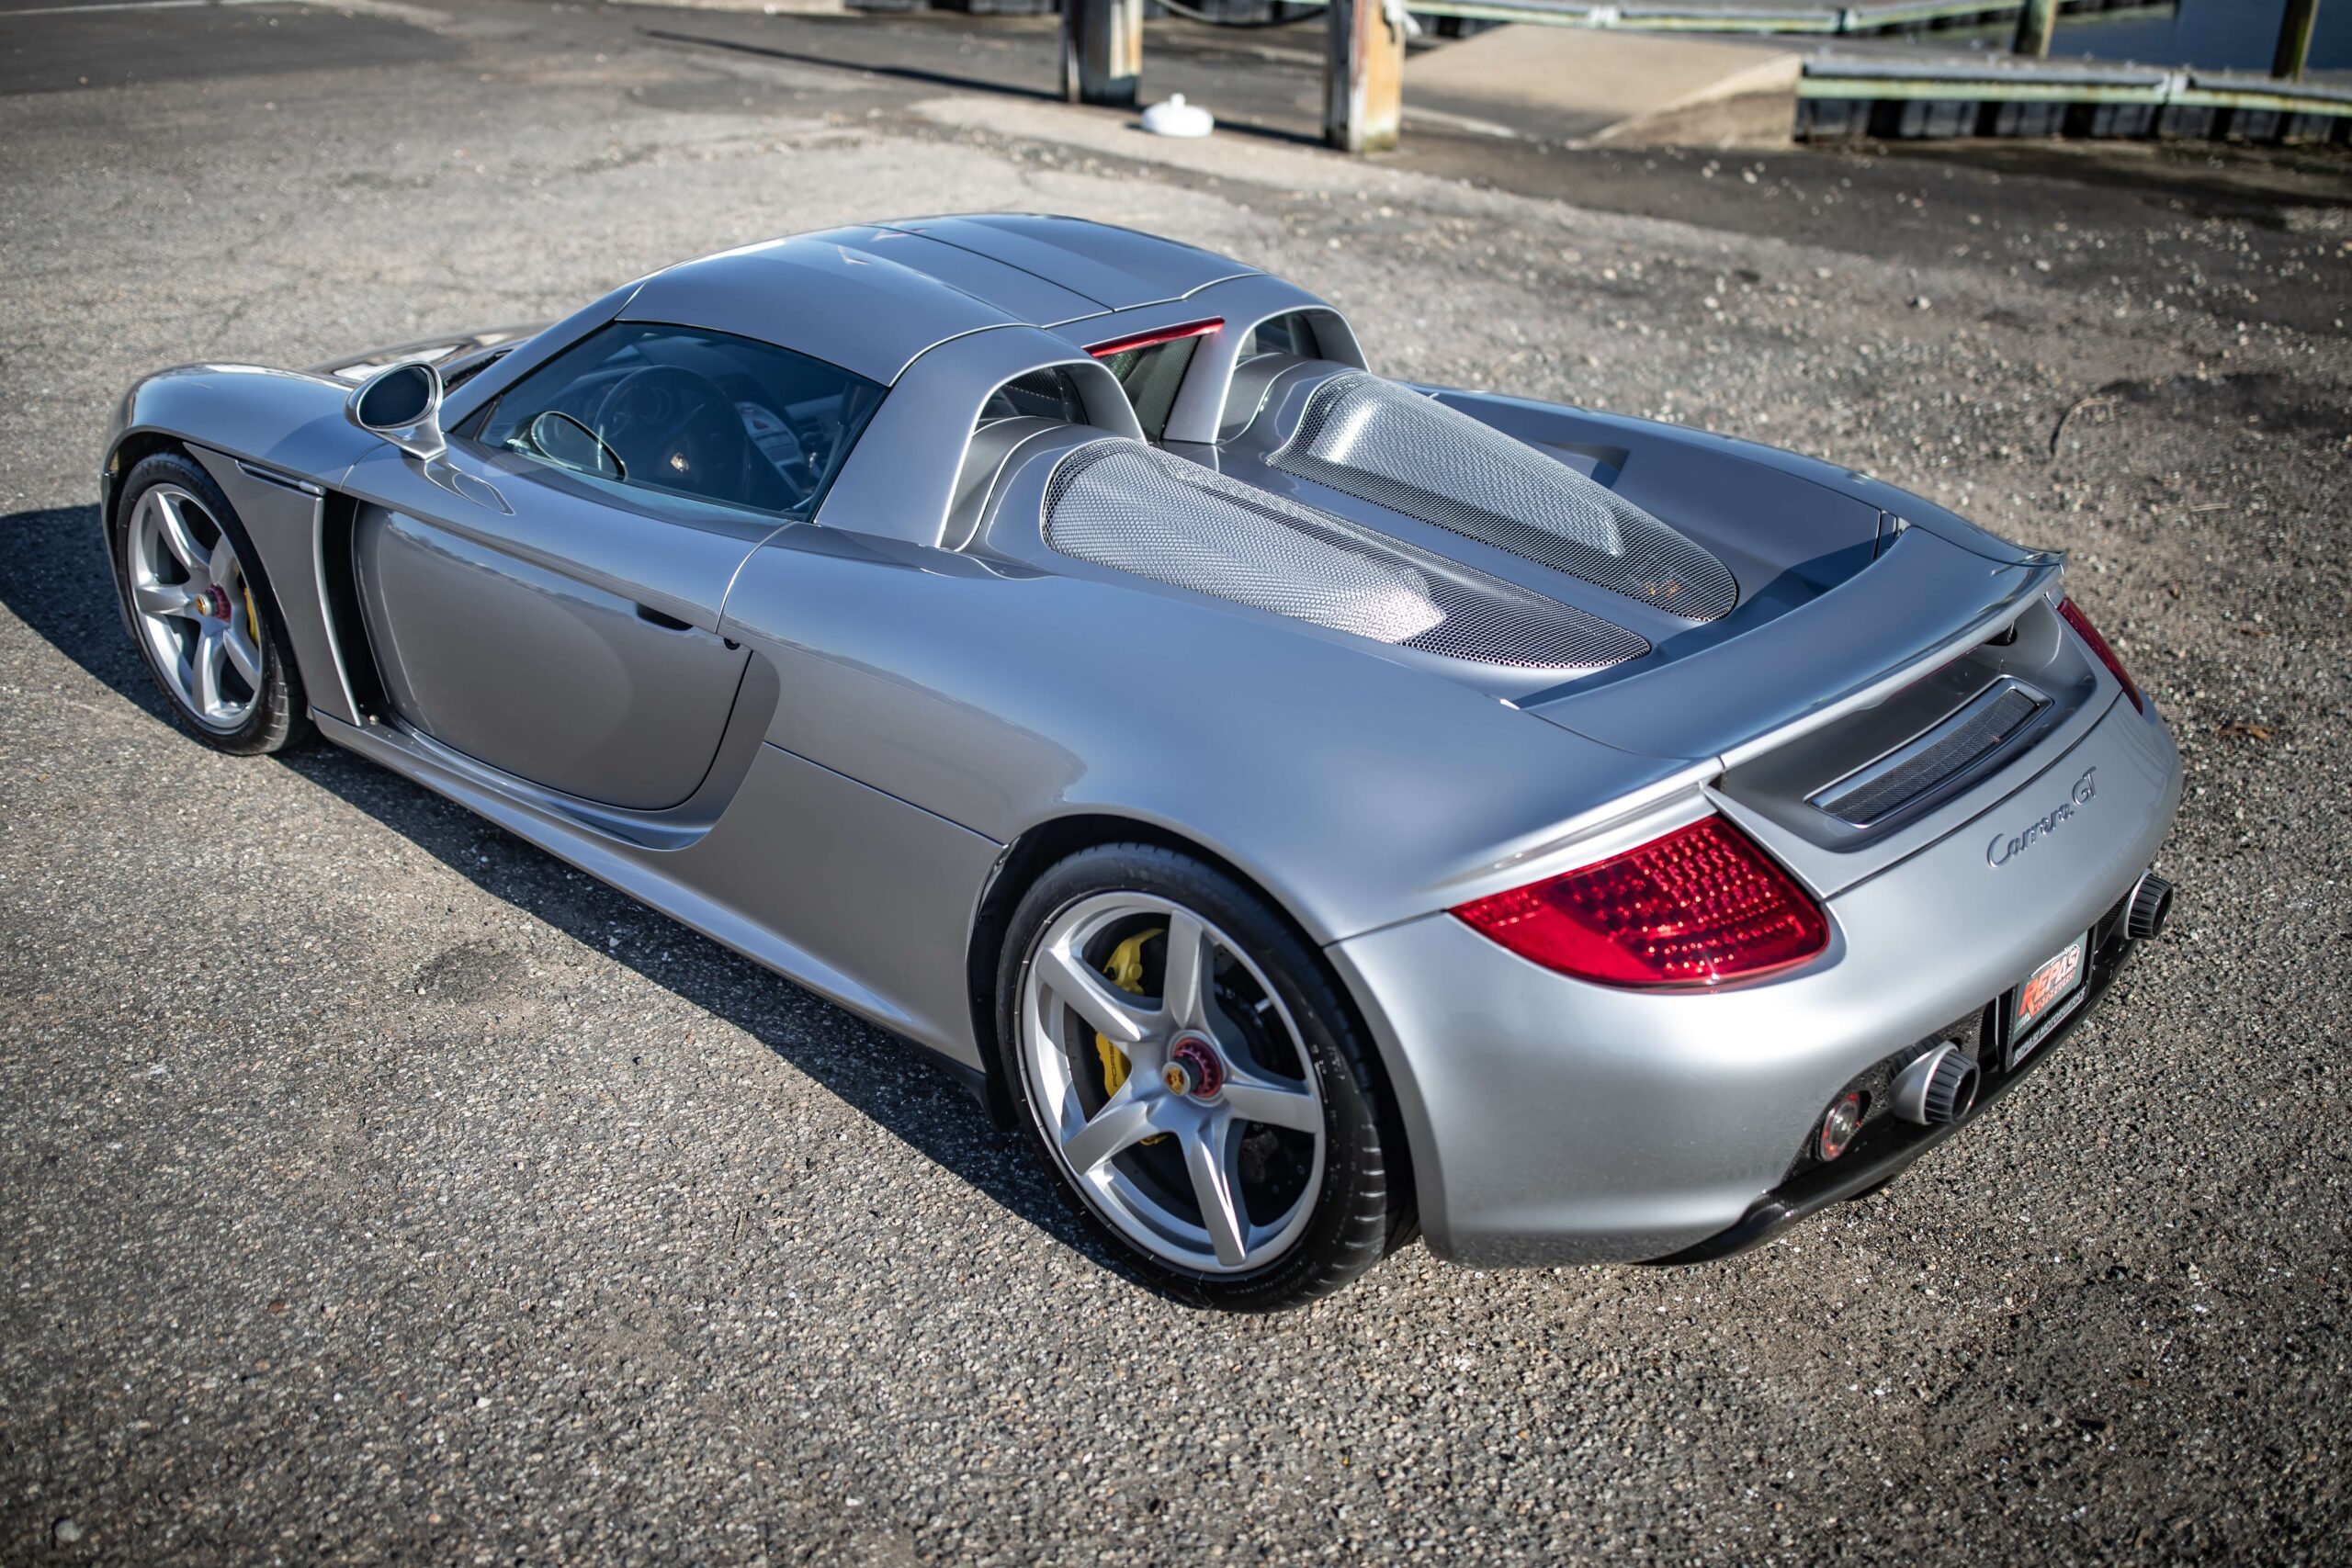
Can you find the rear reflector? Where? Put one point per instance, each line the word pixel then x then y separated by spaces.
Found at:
pixel 2075 618
pixel 1699 906
pixel 1838 1125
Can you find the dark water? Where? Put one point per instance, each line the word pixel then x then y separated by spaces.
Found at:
pixel 2216 34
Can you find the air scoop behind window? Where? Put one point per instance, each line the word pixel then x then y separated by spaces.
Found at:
pixel 1134 508
pixel 1385 443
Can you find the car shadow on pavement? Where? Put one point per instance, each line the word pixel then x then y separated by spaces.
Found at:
pixel 54 576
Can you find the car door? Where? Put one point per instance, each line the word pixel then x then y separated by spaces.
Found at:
pixel 554 613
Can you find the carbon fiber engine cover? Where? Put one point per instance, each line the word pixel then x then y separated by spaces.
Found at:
pixel 1390 445
pixel 1121 504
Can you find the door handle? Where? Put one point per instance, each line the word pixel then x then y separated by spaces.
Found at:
pixel 654 618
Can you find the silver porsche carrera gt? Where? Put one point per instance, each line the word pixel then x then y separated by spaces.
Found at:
pixel 1312 808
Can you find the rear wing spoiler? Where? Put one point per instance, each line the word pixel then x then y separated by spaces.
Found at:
pixel 1923 602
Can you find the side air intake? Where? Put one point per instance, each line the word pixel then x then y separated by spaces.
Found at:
pixel 1382 442
pixel 1133 508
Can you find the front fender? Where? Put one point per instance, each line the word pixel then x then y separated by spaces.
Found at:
pixel 287 421
pixel 276 443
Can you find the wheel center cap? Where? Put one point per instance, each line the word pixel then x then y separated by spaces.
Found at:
pixel 1193 1069
pixel 216 601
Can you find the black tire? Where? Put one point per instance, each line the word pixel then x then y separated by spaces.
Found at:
pixel 1364 1206
pixel 280 714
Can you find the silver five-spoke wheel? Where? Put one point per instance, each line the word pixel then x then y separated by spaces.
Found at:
pixel 195 609
pixel 1171 1082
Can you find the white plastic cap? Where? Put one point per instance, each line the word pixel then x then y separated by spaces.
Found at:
pixel 1177 118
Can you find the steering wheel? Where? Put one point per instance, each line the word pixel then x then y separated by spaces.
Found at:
pixel 677 429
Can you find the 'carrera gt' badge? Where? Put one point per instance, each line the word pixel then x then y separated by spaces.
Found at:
pixel 2005 848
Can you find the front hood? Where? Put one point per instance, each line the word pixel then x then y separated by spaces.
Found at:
pixel 445 351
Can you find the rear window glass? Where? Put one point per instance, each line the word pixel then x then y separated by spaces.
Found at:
pixel 1291 334
pixel 1041 394
pixel 1151 377
pixel 686 411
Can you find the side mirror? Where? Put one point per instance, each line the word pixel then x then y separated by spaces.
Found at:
pixel 402 404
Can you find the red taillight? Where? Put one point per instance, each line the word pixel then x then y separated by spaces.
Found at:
pixel 1700 905
pixel 2089 633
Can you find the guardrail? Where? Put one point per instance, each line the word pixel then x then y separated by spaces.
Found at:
pixel 1102 45
pixel 1839 99
pixel 1892 96
pixel 1865 18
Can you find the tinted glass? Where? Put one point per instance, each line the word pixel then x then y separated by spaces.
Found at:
pixel 1151 377
pixel 689 412
pixel 1282 334
pixel 1041 394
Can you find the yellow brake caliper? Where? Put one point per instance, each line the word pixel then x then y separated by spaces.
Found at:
pixel 1125 971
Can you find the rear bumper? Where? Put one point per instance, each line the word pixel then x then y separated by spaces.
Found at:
pixel 1874 1162
pixel 1555 1122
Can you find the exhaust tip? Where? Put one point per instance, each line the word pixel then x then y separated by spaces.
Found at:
pixel 2151 905
pixel 1938 1088
pixel 1951 1089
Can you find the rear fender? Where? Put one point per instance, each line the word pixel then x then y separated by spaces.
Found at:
pixel 1354 788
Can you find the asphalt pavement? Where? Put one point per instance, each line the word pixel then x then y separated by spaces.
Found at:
pixel 373 1188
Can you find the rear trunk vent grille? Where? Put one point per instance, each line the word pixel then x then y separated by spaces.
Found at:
pixel 1943 754
pixel 1133 508
pixel 1388 445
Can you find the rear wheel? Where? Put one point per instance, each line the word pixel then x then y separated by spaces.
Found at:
pixel 1193 1077
pixel 199 612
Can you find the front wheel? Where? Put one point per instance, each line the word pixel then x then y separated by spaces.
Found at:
pixel 1192 1074
pixel 200 611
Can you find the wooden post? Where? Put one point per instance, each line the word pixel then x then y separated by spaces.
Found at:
pixel 2035 24
pixel 1102 52
pixel 2295 39
pixel 1364 75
